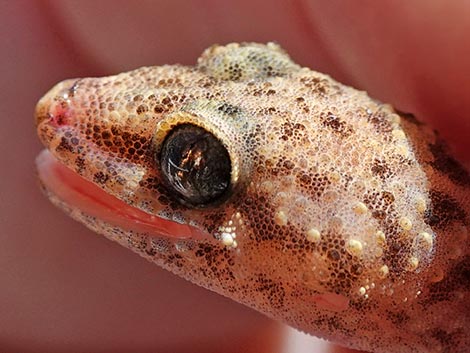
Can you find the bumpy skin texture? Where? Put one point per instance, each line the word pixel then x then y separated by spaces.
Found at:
pixel 345 218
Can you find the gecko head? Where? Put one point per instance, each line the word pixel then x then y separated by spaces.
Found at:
pixel 247 174
pixel 157 139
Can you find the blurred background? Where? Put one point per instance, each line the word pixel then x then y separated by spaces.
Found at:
pixel 65 289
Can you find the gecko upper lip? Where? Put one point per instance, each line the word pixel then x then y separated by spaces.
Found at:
pixel 81 194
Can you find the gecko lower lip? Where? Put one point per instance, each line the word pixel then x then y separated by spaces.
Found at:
pixel 81 194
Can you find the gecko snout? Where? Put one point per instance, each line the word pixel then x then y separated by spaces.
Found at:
pixel 55 106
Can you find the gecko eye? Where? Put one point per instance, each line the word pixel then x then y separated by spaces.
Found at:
pixel 196 165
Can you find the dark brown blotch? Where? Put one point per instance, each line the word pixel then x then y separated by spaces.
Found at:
pixel 409 117
pixel 381 169
pixel 398 318
pixel 447 165
pixel 398 248
pixel 100 178
pixel 313 184
pixel 294 131
pixel 65 145
pixel 229 109
pixel 443 210
pixel 80 164
pixel 273 291
pixel 335 124
pixel 217 261
pixel 132 146
pixel 334 324
pixel 381 123
pixel 448 340
pixel 458 278
pixel 319 86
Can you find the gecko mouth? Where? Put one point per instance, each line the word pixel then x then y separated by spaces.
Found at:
pixel 79 193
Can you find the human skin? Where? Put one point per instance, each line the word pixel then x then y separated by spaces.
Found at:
pixel 65 288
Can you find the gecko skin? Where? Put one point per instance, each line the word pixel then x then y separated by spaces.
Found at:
pixel 276 186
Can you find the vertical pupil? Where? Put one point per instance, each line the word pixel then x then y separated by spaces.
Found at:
pixel 195 165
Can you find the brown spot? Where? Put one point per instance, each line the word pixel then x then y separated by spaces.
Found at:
pixel 381 203
pixel 205 82
pixel 80 163
pixel 336 125
pixel 64 145
pixel 159 109
pixel 274 292
pixel 448 340
pixel 260 216
pixel 409 117
pixel 443 210
pixel 381 169
pixel 317 85
pixel 381 123
pixel 397 248
pixel 293 131
pixel 100 178
pixel 151 251
pixel 313 184
pixel 213 220
pixel 132 146
pixel 229 109
pixel 333 324
pixel 457 278
pixel 142 109
pixel 216 261
pixel 398 318
pixel 166 101
pixel 176 259
pixel 283 167
pixel 444 163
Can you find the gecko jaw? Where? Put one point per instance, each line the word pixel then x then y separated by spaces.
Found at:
pixel 79 193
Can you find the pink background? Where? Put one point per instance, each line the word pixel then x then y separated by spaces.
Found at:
pixel 63 288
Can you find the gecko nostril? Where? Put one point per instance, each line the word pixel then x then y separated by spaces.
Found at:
pixel 53 111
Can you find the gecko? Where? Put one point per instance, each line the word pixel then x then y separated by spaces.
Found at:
pixel 273 185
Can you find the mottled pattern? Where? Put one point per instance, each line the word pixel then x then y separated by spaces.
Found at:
pixel 347 220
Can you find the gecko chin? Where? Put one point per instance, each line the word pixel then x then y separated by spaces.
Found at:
pixel 63 185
